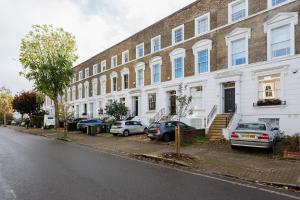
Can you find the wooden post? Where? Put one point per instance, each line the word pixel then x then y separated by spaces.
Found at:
pixel 177 140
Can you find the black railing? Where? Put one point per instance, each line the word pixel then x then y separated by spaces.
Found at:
pixel 211 114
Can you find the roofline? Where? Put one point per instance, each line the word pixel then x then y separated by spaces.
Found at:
pixel 161 20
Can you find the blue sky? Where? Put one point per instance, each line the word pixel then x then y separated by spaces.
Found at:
pixel 96 24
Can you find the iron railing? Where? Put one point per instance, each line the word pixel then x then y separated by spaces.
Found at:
pixel 211 115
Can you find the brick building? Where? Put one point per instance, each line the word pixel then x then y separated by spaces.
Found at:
pixel 240 57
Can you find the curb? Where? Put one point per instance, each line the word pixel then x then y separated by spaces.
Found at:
pixel 295 187
pixel 166 160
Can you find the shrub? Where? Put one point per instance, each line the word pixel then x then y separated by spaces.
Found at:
pixel 37 121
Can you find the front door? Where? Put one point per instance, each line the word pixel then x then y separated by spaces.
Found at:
pixel 229 100
pixel 136 105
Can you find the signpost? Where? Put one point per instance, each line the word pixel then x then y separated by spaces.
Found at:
pixel 177 139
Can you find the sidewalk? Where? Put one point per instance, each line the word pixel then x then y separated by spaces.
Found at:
pixel 252 165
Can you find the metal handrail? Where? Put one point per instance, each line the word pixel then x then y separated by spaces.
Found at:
pixel 159 115
pixel 232 116
pixel 211 114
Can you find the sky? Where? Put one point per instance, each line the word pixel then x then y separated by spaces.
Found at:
pixel 96 25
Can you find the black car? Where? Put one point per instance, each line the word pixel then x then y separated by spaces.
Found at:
pixel 165 131
pixel 84 124
pixel 72 123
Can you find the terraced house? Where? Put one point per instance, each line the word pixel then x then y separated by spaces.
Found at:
pixel 239 60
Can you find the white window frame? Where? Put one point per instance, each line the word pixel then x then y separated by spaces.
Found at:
pixel 103 84
pixel 152 44
pixel 139 66
pixel 124 56
pixel 207 15
pixel 115 57
pixel 230 5
pixel 201 46
pixel 173 34
pixel 80 91
pixel 69 94
pixel 112 76
pixel 73 98
pixel 237 34
pixel 125 71
pixel 270 5
pixel 95 86
pixel 279 20
pixel 148 97
pixel 86 90
pixel 80 75
pixel 142 45
pixel 177 53
pixel 95 69
pixel 103 65
pixel 87 72
pixel 154 61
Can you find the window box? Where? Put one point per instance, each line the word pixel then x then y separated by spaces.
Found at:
pixel 269 102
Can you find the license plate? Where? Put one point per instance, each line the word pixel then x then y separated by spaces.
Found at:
pixel 249 136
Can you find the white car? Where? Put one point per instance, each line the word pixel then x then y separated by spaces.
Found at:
pixel 254 134
pixel 126 128
pixel 49 121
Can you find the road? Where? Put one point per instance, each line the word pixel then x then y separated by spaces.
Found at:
pixel 35 168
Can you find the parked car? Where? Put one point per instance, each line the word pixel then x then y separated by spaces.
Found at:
pixel 165 131
pixel 49 121
pixel 126 128
pixel 72 123
pixel 84 124
pixel 254 134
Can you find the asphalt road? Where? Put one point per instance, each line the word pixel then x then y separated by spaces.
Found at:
pixel 35 168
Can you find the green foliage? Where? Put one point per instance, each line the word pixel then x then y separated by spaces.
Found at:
pixel 28 102
pixel 47 56
pixel 5 103
pixel 117 110
pixel 183 102
pixel 37 121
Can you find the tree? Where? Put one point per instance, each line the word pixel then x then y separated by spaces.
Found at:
pixel 65 112
pixel 28 102
pixel 183 102
pixel 5 103
pixel 116 109
pixel 47 56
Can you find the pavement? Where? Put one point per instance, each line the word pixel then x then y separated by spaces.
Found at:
pixel 36 168
pixel 246 164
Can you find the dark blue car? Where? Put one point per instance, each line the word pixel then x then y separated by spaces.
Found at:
pixel 165 131
pixel 84 124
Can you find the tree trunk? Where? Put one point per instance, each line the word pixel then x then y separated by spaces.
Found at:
pixel 4 119
pixel 56 112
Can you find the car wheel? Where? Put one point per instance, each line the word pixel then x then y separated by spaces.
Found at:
pixel 145 131
pixel 234 147
pixel 167 137
pixel 125 133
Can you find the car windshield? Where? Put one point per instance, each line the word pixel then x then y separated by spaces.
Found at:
pixel 117 124
pixel 252 126
pixel 155 125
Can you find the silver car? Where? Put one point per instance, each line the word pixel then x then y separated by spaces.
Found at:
pixel 126 128
pixel 254 134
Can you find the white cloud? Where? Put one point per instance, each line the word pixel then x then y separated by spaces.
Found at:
pixel 97 25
